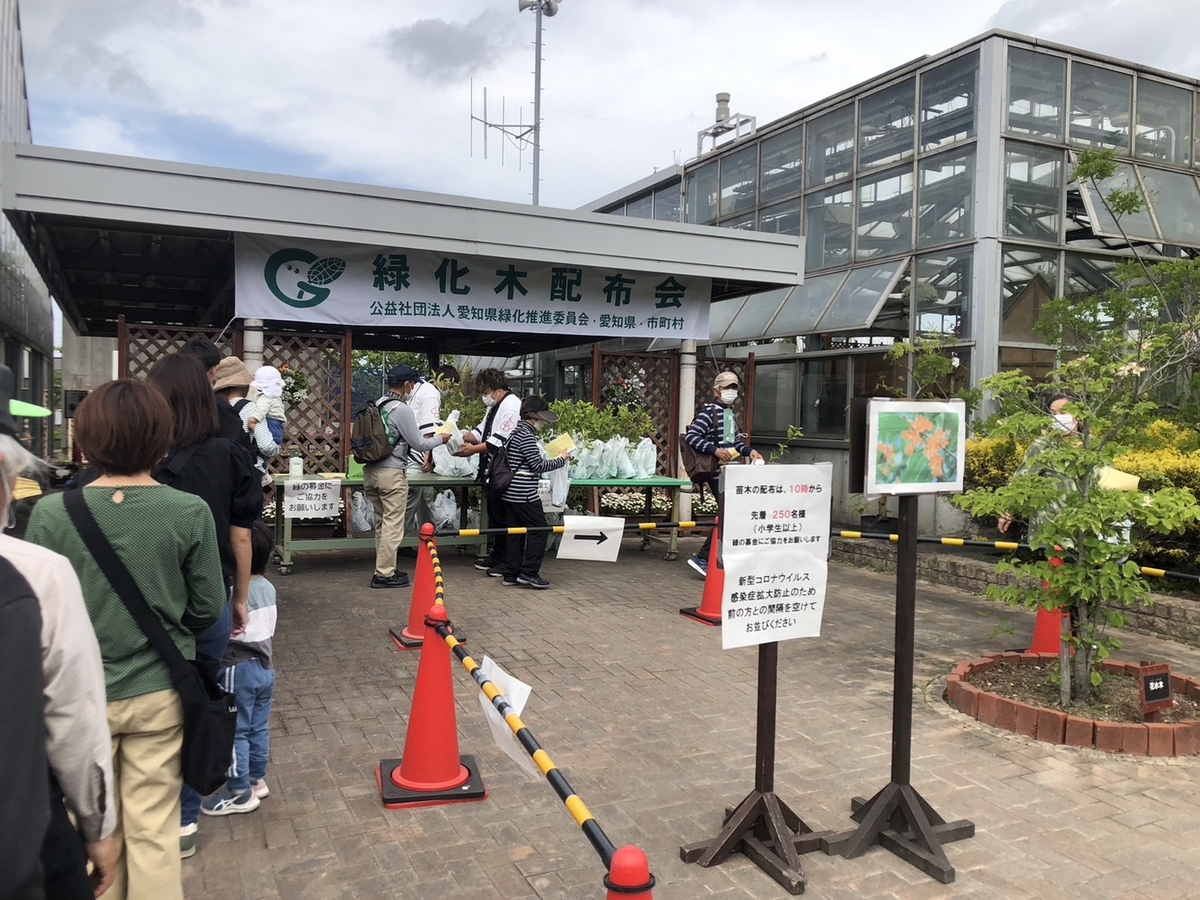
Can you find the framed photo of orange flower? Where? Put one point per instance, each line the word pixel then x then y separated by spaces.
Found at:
pixel 916 446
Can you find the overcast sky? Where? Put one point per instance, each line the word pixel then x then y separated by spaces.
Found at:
pixel 378 91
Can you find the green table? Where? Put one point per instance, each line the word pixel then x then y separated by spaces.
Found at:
pixel 286 546
pixel 674 485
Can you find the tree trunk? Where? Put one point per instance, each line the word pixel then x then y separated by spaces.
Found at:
pixel 1064 661
pixel 1084 629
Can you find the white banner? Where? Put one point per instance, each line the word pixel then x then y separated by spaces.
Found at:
pixel 775 546
pixel 390 287
pixel 315 499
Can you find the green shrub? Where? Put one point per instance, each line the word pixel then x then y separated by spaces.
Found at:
pixel 990 462
pixel 580 418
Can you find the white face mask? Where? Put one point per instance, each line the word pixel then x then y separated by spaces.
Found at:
pixel 488 400
pixel 1064 422
pixel 728 396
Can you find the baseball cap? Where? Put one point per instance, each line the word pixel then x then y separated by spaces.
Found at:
pixel 402 373
pixel 537 408
pixel 10 407
pixel 726 379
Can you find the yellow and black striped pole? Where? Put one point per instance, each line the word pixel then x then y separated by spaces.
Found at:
pixel 560 529
pixel 575 806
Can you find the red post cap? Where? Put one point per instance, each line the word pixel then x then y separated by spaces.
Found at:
pixel 629 875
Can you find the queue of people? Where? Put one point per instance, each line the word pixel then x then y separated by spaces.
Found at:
pixel 173 494
pixel 175 488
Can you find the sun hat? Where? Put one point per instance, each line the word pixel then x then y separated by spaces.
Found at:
pixel 232 372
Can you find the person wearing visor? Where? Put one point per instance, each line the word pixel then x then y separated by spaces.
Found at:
pixel 55 744
pixel 523 563
pixel 714 432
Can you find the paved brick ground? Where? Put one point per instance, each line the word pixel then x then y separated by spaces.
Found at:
pixel 654 726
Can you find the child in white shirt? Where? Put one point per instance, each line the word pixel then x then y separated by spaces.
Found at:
pixel 268 404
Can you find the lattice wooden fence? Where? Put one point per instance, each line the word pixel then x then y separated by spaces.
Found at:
pixel 655 378
pixel 318 427
pixel 139 347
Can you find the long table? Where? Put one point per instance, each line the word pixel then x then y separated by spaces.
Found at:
pixel 286 545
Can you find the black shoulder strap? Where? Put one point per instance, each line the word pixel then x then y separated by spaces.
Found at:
pixel 489 419
pixel 240 404
pixel 122 582
pixel 177 459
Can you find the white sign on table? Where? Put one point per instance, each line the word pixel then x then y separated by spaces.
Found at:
pixel 591 537
pixel 774 545
pixel 311 499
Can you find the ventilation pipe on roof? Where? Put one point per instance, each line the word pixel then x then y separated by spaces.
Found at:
pixel 722 106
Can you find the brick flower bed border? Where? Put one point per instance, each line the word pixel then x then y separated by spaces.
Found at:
pixel 1057 727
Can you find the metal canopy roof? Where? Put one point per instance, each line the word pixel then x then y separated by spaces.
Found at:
pixel 153 240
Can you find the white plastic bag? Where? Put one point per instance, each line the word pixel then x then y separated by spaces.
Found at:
pixel 587 463
pixel 645 459
pixel 445 510
pixel 560 483
pixel 362 516
pixel 446 463
pixel 546 496
pixel 621 460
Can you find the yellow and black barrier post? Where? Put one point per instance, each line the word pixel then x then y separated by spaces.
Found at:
pixel 628 870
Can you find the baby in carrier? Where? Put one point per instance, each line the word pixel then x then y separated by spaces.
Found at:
pixel 268 404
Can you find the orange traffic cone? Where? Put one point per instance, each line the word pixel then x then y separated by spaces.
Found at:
pixel 1047 627
pixel 709 610
pixel 423 594
pixel 431 772
pixel 629 876
pixel 1047 631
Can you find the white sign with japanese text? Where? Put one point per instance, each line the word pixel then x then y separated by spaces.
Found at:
pixel 775 545
pixel 314 499
pixel 390 287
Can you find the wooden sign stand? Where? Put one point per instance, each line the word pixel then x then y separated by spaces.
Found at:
pixel 762 826
pixel 897 817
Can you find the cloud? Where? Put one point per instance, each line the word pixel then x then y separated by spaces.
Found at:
pixel 1155 34
pixel 445 52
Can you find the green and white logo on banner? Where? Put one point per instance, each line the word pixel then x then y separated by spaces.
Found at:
pixel 298 277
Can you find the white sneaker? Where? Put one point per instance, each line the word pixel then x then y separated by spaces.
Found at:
pixel 187 840
pixel 260 788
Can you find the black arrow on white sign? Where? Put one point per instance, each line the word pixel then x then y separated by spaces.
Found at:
pixel 598 538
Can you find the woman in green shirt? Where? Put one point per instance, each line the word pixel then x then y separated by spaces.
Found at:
pixel 167 540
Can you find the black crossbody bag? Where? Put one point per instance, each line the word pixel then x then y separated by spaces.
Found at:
pixel 209 714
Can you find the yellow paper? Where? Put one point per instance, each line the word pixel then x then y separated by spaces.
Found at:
pixel 446 428
pixel 333 475
pixel 1115 480
pixel 26 488
pixel 560 445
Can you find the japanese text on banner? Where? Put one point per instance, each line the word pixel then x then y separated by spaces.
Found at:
pixel 349 284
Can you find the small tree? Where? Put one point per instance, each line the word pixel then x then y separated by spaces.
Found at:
pixel 1121 350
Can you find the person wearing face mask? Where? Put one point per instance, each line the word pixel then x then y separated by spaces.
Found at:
pixel 523 564
pixel 487 438
pixel 386 482
pixel 714 432
pixel 1064 424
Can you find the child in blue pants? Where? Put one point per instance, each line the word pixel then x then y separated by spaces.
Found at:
pixel 249 676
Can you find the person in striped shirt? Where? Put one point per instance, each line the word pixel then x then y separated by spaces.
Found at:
pixel 714 431
pixel 523 562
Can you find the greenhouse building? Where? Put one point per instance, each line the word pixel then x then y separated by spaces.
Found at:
pixel 935 200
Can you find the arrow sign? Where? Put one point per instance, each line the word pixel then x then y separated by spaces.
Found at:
pixel 591 537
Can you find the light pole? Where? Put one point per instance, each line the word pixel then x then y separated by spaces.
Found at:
pixel 540 8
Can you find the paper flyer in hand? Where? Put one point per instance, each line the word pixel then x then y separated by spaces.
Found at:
pixel 560 445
